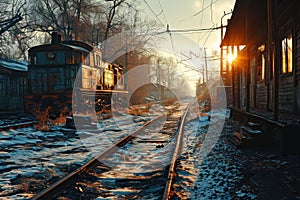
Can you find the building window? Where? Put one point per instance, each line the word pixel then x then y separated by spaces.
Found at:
pixel 261 63
pixel 287 54
pixel 33 60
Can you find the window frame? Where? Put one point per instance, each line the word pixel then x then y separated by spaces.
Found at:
pixel 287 48
pixel 261 64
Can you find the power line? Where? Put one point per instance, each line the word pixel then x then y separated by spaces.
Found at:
pixel 201 20
pixel 202 13
pixel 205 8
pixel 208 37
pixel 211 12
pixel 162 11
pixel 153 12
pixel 199 12
pixel 191 30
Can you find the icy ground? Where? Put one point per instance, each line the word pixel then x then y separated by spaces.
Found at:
pixel 214 173
pixel 30 159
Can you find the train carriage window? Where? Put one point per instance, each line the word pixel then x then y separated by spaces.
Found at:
pixel 82 58
pixel 92 59
pixel 85 60
pixel 33 60
pixel 69 59
pixel 98 60
pixel 76 58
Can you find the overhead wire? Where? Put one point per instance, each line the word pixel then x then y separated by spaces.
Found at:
pixel 208 36
pixel 163 12
pixel 150 8
pixel 211 12
pixel 199 12
pixel 168 31
pixel 184 30
pixel 202 14
pixel 190 30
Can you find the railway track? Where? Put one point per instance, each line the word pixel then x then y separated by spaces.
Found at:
pixel 30 159
pixel 138 166
pixel 16 121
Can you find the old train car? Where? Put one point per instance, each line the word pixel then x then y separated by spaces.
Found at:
pixel 53 69
pixel 202 92
pixel 13 76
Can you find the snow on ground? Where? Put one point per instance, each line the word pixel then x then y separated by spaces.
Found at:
pixel 209 166
pixel 214 173
pixel 27 153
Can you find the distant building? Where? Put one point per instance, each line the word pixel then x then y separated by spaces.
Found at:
pixel 263 36
pixel 13 77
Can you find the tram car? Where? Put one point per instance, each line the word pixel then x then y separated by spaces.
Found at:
pixel 202 92
pixel 52 71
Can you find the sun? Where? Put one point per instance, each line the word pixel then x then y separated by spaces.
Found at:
pixel 197 4
pixel 231 58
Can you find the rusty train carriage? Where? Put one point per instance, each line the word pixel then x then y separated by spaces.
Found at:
pixel 54 67
pixel 13 76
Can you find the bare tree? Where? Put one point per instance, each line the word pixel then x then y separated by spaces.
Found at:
pixel 92 21
pixel 13 32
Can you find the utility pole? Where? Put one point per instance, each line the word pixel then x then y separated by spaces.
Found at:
pixel 205 58
pixel 203 74
pixel 158 80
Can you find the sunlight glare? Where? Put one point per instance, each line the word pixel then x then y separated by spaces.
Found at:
pixel 230 58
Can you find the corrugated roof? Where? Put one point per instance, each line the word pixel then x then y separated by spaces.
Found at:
pixel 14 64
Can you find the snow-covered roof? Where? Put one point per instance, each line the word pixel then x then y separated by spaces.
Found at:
pixel 60 46
pixel 76 48
pixel 16 65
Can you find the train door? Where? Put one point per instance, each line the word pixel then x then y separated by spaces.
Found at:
pixel 4 92
pixel 115 70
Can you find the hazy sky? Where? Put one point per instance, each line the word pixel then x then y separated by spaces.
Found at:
pixel 192 14
pixel 190 48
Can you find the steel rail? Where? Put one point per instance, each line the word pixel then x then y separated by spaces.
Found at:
pixel 171 172
pixel 56 187
pixel 17 125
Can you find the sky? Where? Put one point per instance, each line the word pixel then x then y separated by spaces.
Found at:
pixel 190 47
pixel 192 14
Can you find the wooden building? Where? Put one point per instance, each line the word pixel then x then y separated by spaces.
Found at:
pixel 13 76
pixel 264 37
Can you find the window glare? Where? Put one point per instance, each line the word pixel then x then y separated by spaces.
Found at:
pixel 283 44
pixel 290 53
